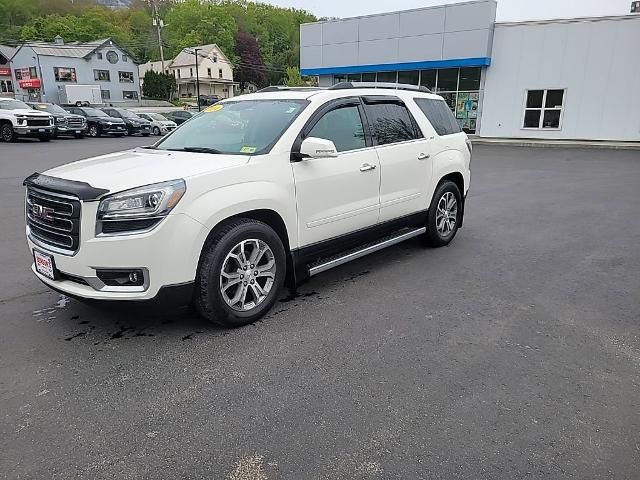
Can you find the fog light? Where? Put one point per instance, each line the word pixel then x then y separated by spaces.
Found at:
pixel 121 277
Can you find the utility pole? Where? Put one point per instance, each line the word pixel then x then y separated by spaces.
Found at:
pixel 159 24
pixel 197 79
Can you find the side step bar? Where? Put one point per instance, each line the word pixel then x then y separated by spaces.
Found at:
pixel 387 242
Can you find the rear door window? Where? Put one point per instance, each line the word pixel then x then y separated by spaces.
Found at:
pixel 390 121
pixel 439 114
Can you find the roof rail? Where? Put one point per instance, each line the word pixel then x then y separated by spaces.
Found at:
pixel 391 86
pixel 284 88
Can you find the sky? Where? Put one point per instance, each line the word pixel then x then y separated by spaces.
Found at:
pixel 508 10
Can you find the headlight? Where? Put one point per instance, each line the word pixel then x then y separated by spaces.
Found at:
pixel 61 120
pixel 21 118
pixel 143 202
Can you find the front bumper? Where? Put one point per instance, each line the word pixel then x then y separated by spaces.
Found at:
pixel 168 255
pixel 66 130
pixel 140 129
pixel 33 131
pixel 117 128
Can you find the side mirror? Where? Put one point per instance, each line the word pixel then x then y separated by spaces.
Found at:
pixel 313 147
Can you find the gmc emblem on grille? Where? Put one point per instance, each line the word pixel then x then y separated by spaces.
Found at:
pixel 43 213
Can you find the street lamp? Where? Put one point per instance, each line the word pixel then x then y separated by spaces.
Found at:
pixel 197 80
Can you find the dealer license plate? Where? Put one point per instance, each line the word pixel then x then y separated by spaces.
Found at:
pixel 41 130
pixel 78 131
pixel 44 264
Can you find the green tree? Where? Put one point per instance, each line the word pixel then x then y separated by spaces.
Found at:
pixel 293 78
pixel 158 85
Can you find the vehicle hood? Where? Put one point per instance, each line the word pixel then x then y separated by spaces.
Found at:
pixel 106 119
pixel 31 112
pixel 133 168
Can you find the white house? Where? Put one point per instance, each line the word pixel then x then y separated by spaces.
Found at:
pixel 214 71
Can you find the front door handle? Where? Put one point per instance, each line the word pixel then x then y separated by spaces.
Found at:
pixel 365 167
pixel 423 156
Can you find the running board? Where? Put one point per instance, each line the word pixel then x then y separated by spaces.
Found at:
pixel 384 243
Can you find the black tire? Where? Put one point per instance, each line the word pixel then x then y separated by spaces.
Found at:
pixel 128 132
pixel 435 237
pixel 7 133
pixel 94 131
pixel 44 138
pixel 156 131
pixel 208 298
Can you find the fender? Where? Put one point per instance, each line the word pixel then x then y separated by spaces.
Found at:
pixel 446 162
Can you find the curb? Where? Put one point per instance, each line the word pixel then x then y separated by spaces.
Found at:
pixel 555 143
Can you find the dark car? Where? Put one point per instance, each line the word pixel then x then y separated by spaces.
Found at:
pixel 207 100
pixel 179 116
pixel 135 124
pixel 99 123
pixel 65 123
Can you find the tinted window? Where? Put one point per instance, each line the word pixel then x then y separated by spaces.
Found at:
pixel 343 126
pixel 439 114
pixel 391 122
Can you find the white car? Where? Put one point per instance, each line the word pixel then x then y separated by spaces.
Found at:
pixel 17 119
pixel 160 125
pixel 256 192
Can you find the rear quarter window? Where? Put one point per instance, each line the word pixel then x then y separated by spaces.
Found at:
pixel 439 114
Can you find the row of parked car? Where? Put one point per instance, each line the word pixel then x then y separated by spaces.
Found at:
pixel 47 120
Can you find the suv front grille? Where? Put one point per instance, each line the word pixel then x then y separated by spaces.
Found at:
pixel 53 219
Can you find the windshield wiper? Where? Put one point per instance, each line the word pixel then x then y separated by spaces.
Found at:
pixel 196 150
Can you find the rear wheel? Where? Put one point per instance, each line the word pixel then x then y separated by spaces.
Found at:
pixel 241 272
pixel 7 133
pixel 444 215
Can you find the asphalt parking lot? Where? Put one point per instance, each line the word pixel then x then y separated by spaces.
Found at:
pixel 513 353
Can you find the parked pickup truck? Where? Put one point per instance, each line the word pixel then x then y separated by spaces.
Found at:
pixel 17 119
pixel 65 123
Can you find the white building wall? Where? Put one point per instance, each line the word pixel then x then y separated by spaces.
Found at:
pixel 596 60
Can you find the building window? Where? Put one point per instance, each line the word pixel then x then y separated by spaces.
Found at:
pixel 543 109
pixel 388 77
pixel 129 95
pixel 448 80
pixel 191 72
pixel 410 77
pixel 125 58
pixel 369 77
pixel 112 56
pixel 469 78
pixel 6 86
pixel 215 59
pixel 126 77
pixel 208 72
pixel 354 77
pixel 428 79
pixel 219 73
pixel 106 94
pixel 178 73
pixel 99 55
pixel 102 75
pixel 64 74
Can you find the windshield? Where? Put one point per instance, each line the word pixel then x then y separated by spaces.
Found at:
pixel 236 127
pixel 94 112
pixel 156 116
pixel 50 108
pixel 127 114
pixel 13 105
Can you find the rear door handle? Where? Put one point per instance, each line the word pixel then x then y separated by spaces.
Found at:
pixel 365 167
pixel 423 156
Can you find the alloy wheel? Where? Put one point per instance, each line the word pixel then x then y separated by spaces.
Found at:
pixel 446 214
pixel 247 275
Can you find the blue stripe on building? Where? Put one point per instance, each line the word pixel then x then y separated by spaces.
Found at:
pixel 388 67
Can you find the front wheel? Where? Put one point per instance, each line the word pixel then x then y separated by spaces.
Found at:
pixel 156 131
pixel 242 270
pixel 7 133
pixel 444 215
pixel 94 131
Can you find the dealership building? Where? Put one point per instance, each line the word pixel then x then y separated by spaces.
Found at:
pixel 556 79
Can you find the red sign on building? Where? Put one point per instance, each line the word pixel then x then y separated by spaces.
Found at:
pixel 30 83
pixel 5 71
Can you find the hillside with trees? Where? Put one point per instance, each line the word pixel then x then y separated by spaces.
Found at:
pixel 261 40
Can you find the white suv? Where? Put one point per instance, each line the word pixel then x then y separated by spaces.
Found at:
pixel 17 119
pixel 255 192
